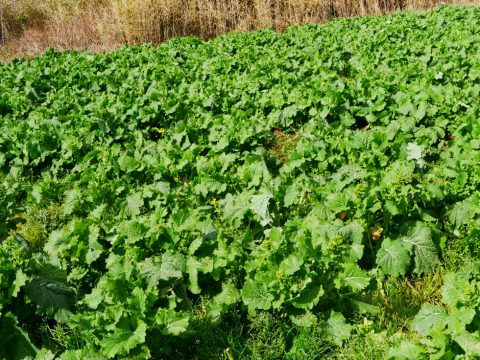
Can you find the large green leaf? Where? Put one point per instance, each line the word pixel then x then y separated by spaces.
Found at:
pixel 14 342
pixel 338 329
pixel 50 294
pixel 256 295
pixel 393 258
pixel 309 296
pixel 456 289
pixel 72 199
pixel 407 351
pixel 134 203
pixel 259 206
pixel 430 317
pixel 193 267
pixel 354 277
pixel 470 343
pixel 419 240
pixel 123 340
pixel 169 266
pixel 174 323
pixel 291 264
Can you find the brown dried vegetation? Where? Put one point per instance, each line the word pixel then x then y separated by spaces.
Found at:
pixel 283 144
pixel 32 26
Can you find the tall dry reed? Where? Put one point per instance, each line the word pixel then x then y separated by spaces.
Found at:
pixel 32 26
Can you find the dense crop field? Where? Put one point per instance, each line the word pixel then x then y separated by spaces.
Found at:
pixel 300 195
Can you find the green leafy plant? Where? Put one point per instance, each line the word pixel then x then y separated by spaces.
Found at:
pixel 149 193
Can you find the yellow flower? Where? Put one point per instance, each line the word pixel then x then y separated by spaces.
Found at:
pixel 376 233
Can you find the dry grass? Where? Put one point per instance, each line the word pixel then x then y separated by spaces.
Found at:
pixel 32 26
pixel 282 144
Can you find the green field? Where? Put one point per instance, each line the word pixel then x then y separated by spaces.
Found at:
pixel 301 195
